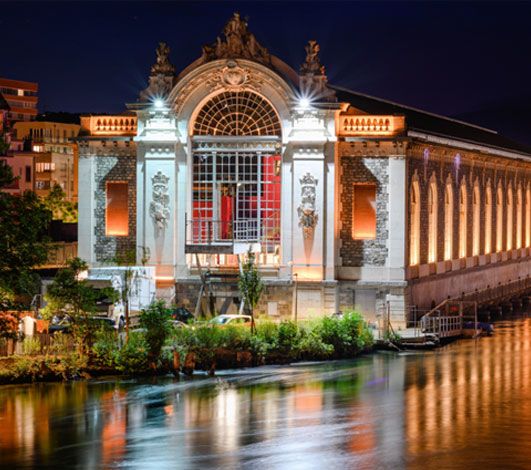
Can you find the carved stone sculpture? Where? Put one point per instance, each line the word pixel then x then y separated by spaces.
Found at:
pixel 237 42
pixel 306 210
pixel 162 75
pixel 312 64
pixel 313 80
pixel 159 208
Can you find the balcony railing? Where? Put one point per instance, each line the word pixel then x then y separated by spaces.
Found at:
pixel 223 236
pixel 370 125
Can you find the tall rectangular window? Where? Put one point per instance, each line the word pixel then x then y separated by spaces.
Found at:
pixel 364 211
pixel 28 174
pixel 117 214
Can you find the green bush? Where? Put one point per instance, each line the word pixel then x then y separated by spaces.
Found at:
pixel 156 320
pixel 133 357
pixel 105 350
pixel 31 346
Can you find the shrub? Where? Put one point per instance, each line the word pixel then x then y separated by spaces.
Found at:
pixel 157 322
pixel 31 346
pixel 8 325
pixel 133 357
pixel 105 349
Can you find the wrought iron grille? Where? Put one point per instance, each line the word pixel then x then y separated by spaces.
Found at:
pixel 237 114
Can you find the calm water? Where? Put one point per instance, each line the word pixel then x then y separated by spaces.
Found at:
pixel 467 405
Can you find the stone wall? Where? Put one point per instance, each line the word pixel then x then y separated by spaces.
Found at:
pixel 354 170
pixel 113 168
pixel 281 293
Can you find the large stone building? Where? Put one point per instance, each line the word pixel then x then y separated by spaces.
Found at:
pixel 349 201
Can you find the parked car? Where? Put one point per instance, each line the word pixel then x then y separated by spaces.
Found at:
pixel 182 314
pixel 63 323
pixel 223 320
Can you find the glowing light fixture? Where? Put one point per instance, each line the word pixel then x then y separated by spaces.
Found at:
pixel 304 103
pixel 159 104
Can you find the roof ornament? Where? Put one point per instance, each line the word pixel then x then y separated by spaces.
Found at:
pixel 161 77
pixel 312 64
pixel 163 65
pixel 312 76
pixel 237 42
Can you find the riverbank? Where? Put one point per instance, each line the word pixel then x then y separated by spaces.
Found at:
pixel 162 349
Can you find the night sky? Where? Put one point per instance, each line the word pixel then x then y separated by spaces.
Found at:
pixel 469 60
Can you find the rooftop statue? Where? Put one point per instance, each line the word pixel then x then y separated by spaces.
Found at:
pixel 162 75
pixel 163 65
pixel 237 42
pixel 312 64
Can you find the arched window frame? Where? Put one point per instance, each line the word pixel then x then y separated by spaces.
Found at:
pixel 448 220
pixel 414 235
pixel 476 220
pixel 519 217
pixel 463 215
pixel 432 220
pixel 488 218
pixel 499 219
pixel 510 218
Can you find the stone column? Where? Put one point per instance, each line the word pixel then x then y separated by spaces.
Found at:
pixel 156 190
pixel 85 224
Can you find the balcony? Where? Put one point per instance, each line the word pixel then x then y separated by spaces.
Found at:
pixel 366 125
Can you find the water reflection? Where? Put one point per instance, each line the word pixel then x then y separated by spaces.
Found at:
pixel 461 406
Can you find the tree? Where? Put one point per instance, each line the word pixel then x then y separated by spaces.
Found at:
pixel 250 284
pixel 61 209
pixel 24 243
pixel 74 296
pixel 128 259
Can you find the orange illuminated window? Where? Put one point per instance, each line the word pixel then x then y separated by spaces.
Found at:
pixel 117 222
pixel 364 211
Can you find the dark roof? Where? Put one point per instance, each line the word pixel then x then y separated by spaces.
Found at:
pixel 431 123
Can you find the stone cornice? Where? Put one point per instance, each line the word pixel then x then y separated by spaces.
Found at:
pixel 373 148
pixel 107 147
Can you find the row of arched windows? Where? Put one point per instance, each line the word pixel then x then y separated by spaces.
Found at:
pixel 510 215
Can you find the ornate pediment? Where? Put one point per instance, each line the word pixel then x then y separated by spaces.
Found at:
pixel 236 42
pixel 233 77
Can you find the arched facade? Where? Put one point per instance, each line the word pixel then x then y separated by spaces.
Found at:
pixel 528 217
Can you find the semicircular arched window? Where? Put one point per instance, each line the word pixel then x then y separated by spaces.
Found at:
pixel 237 114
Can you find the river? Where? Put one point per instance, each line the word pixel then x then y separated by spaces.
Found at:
pixel 464 406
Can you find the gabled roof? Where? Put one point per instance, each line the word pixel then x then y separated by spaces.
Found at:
pixel 429 123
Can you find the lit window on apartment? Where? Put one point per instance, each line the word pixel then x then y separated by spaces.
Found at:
pixel 117 214
pixel 364 211
pixel 20 92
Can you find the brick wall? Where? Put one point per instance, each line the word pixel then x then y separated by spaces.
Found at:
pixel 364 170
pixel 114 168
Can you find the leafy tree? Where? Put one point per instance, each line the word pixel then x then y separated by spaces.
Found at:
pixel 71 294
pixel 4 146
pixel 24 244
pixel 128 259
pixel 61 209
pixel 156 320
pixel 6 173
pixel 250 284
